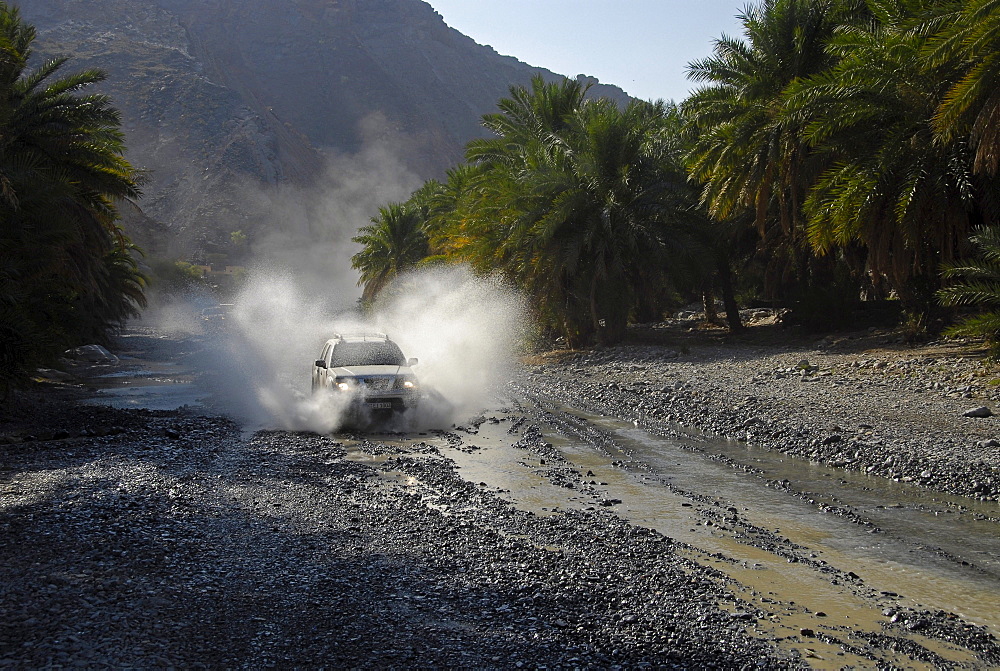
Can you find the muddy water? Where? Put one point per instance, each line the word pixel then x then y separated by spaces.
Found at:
pixel 907 546
pixel 153 386
pixel 814 547
pixel 937 550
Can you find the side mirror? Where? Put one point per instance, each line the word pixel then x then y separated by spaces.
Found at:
pixel 320 363
pixel 412 362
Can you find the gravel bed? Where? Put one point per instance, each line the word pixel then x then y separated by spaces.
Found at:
pixel 142 539
pixel 852 402
pixel 163 539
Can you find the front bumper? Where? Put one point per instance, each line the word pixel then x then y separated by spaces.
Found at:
pixel 395 402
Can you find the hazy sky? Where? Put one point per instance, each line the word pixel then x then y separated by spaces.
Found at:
pixel 643 46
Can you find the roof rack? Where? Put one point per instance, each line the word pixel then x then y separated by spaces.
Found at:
pixel 364 336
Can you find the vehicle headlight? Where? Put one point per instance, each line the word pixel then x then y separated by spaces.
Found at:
pixel 406 383
pixel 343 385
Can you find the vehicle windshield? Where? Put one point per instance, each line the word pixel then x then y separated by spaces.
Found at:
pixel 347 354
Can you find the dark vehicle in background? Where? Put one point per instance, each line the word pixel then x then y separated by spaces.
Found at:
pixel 369 369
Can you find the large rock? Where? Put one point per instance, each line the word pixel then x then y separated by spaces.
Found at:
pixel 91 354
pixel 978 412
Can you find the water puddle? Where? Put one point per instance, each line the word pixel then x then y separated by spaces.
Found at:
pixel 151 385
pixel 933 548
pixel 894 546
pixel 488 458
pixel 841 625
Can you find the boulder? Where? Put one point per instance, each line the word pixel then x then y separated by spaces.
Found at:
pixel 91 354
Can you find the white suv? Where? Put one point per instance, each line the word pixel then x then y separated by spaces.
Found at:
pixel 369 369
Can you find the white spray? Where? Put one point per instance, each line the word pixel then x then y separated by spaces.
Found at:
pixel 464 331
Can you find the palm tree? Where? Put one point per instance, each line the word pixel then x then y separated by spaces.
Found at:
pixel 62 172
pixel 447 207
pixel 889 185
pixel 529 119
pixel 581 213
pixel 979 286
pixel 576 201
pixel 394 242
pixel 749 153
pixel 585 206
pixel 970 34
pixel 500 196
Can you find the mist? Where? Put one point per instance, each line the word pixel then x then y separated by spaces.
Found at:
pixel 301 290
pixel 464 330
pixel 308 229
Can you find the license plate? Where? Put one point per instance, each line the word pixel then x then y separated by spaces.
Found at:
pixel 379 405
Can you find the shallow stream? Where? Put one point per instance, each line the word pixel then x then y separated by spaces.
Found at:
pixel 816 547
pixel 831 550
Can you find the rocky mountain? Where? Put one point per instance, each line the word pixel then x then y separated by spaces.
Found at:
pixel 227 101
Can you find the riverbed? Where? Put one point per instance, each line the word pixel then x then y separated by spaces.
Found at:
pixel 550 529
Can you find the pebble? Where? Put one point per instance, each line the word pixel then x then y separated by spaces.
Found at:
pixel 273 549
pixel 357 570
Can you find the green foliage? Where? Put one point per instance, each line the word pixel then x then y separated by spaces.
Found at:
pixel 67 271
pixel 238 238
pixel 845 125
pixel 889 185
pixel 970 37
pixel 839 149
pixel 582 204
pixel 394 242
pixel 978 287
pixel 750 150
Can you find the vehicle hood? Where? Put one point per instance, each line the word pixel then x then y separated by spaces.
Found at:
pixel 370 371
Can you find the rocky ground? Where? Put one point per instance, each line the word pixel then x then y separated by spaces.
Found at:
pixel 159 539
pixel 863 401
pixel 139 539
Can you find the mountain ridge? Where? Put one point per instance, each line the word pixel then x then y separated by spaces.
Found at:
pixel 219 97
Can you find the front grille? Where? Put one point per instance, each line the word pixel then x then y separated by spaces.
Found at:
pixel 378 383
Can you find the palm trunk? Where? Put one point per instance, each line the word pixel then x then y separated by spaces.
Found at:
pixel 728 297
pixel 708 301
pixel 594 314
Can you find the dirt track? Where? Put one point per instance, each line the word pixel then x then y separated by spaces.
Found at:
pixel 137 538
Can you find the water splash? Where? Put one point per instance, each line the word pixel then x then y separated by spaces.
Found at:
pixel 464 330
